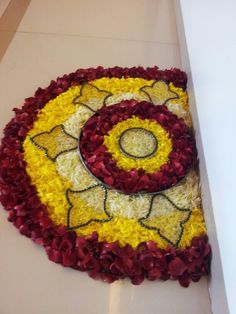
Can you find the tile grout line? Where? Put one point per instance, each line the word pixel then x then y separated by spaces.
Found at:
pixel 94 37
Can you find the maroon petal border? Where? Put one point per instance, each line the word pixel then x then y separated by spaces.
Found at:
pixel 106 261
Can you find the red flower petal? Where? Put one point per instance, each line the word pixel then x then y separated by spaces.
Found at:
pixel 176 267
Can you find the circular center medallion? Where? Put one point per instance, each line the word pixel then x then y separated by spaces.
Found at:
pixel 136 147
pixel 138 143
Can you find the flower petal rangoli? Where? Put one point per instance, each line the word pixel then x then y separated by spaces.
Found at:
pixel 101 169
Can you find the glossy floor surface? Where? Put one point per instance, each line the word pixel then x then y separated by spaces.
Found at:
pixel 51 38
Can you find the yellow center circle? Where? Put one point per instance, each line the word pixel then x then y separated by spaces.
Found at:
pixel 144 143
pixel 149 164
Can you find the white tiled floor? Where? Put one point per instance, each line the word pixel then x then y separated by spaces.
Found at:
pixel 38 58
pixel 146 20
pixel 57 37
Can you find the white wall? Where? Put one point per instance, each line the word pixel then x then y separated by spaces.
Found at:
pixel 209 30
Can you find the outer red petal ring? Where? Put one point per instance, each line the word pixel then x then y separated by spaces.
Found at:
pixel 106 261
pixel 182 157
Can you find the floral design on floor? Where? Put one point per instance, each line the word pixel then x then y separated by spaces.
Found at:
pixel 106 175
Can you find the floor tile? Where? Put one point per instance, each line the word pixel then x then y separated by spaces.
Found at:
pixel 34 59
pixel 149 20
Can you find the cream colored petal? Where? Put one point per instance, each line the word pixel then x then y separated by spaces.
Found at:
pixel 71 168
pixel 117 98
pixel 129 206
pixel 178 110
pixel 187 193
pixel 75 123
pixel 95 198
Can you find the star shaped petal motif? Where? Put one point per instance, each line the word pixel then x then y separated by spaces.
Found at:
pixel 80 211
pixel 55 142
pixel 159 93
pixel 92 97
pixel 157 217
